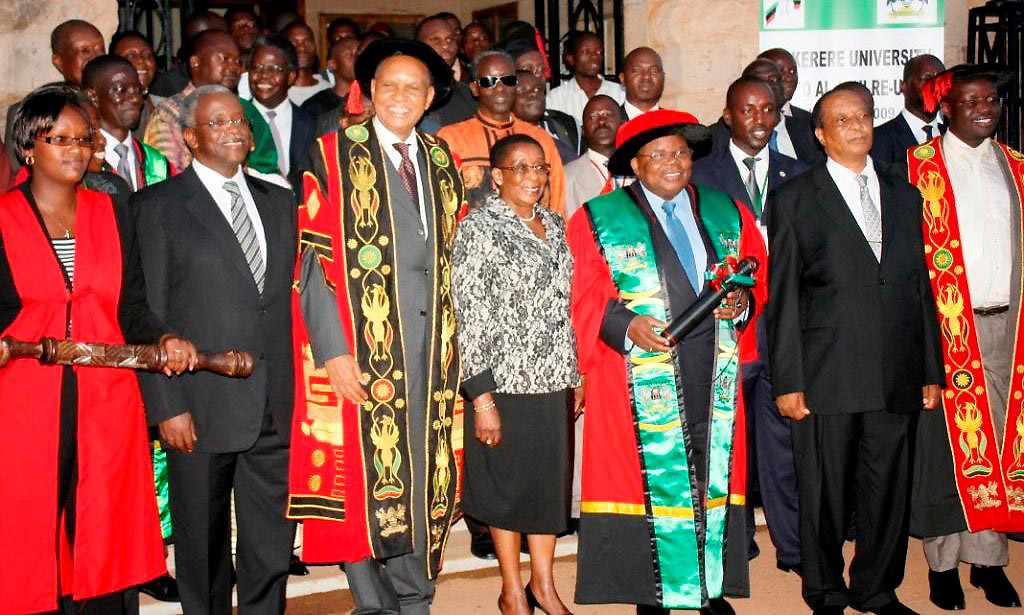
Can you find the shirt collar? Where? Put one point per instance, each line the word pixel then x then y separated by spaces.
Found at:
pixel 285 106
pixel 917 124
pixel 388 139
pixel 597 157
pixel 787 109
pixel 632 110
pixel 655 201
pixel 738 155
pixel 213 179
pixel 840 172
pixel 954 145
pixel 113 142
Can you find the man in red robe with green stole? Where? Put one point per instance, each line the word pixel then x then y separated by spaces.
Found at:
pixel 969 469
pixel 664 468
pixel 377 431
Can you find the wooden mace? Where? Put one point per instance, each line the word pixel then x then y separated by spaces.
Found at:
pixel 150 358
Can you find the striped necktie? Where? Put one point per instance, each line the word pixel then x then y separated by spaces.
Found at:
pixel 872 218
pixel 124 167
pixel 246 234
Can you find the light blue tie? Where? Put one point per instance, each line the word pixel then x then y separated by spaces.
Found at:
pixel 681 243
pixel 773 142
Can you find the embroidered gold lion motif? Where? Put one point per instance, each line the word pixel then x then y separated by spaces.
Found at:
pixel 376 307
pixel 969 420
pixel 386 458
pixel 933 190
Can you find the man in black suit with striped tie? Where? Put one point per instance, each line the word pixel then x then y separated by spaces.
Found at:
pixel 218 250
pixel 747 170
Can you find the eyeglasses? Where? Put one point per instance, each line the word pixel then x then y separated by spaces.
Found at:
pixel 221 124
pixel 119 90
pixel 66 141
pixel 273 69
pixel 971 103
pixel 523 169
pixel 659 156
pixel 491 81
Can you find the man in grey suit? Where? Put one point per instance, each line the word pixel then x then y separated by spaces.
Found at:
pixel 376 230
pixel 218 250
pixel 587 176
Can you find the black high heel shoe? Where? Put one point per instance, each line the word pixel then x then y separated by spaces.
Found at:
pixel 531 600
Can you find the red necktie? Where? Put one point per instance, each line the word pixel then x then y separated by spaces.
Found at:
pixel 408 173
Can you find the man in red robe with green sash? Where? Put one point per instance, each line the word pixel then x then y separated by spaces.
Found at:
pixel 664 468
pixel 969 469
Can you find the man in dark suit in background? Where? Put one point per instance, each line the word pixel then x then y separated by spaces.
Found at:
pixel 272 70
pixel 913 125
pixel 786 64
pixel 218 251
pixel 644 79
pixel 531 107
pixel 437 32
pixel 855 355
pixel 747 170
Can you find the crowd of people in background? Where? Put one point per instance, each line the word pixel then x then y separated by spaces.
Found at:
pixel 456 285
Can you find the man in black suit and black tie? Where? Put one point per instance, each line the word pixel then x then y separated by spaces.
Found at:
pixel 218 251
pixel 914 125
pixel 272 70
pixel 747 170
pixel 855 355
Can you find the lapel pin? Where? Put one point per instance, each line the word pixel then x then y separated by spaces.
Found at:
pixel 782 173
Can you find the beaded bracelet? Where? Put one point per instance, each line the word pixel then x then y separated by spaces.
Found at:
pixel 485 407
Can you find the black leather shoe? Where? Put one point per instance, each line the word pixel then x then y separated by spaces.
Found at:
pixel 482 548
pixel 164 589
pixel 998 590
pixel 829 610
pixel 718 606
pixel 643 609
pixel 945 590
pixel 296 568
pixel 894 608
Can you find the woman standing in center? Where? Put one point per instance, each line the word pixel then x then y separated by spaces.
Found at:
pixel 511 271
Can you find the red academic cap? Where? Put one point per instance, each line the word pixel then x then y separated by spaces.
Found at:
pixel 652 125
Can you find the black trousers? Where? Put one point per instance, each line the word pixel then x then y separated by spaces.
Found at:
pixel 770 446
pixel 201 486
pixel 843 460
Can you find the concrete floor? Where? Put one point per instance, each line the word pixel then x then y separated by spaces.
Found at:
pixel 772 591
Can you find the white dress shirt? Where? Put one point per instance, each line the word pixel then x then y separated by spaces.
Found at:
pixel 846 181
pixel 113 159
pixel 760 167
pixel 784 142
pixel 983 211
pixel 214 184
pixel 387 140
pixel 917 125
pixel 283 123
pixel 632 111
pixel 570 98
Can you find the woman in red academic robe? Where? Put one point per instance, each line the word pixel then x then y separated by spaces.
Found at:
pixel 79 523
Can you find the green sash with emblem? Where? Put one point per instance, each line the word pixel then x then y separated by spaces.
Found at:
pixel 687 527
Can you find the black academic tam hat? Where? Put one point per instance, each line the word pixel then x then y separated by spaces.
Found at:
pixel 378 51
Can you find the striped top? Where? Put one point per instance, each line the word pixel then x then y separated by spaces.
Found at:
pixel 65 249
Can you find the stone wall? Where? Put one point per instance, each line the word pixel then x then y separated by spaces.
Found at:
pixel 25 27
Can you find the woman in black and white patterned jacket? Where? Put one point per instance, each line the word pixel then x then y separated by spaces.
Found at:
pixel 511 273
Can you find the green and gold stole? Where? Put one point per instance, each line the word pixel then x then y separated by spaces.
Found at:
pixel 989 477
pixel 689 556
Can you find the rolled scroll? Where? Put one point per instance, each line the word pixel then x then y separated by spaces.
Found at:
pixel 725 278
pixel 150 358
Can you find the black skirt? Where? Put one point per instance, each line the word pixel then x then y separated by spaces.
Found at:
pixel 522 484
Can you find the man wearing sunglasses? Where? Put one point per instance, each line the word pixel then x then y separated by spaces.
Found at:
pixel 965 494
pixel 494 84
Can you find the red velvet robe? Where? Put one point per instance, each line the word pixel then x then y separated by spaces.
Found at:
pixel 117 531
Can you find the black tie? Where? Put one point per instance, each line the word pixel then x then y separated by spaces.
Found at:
pixel 928 132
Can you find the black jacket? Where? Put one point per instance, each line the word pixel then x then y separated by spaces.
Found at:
pixel 198 282
pixel 854 334
pixel 718 170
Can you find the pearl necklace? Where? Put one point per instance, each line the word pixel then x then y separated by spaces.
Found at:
pixel 530 219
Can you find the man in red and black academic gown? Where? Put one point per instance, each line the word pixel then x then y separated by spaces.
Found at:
pixel 658 528
pixel 968 483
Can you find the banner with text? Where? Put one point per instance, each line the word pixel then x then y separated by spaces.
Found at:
pixel 853 40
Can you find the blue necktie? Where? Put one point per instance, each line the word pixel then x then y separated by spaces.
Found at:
pixel 773 142
pixel 680 243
